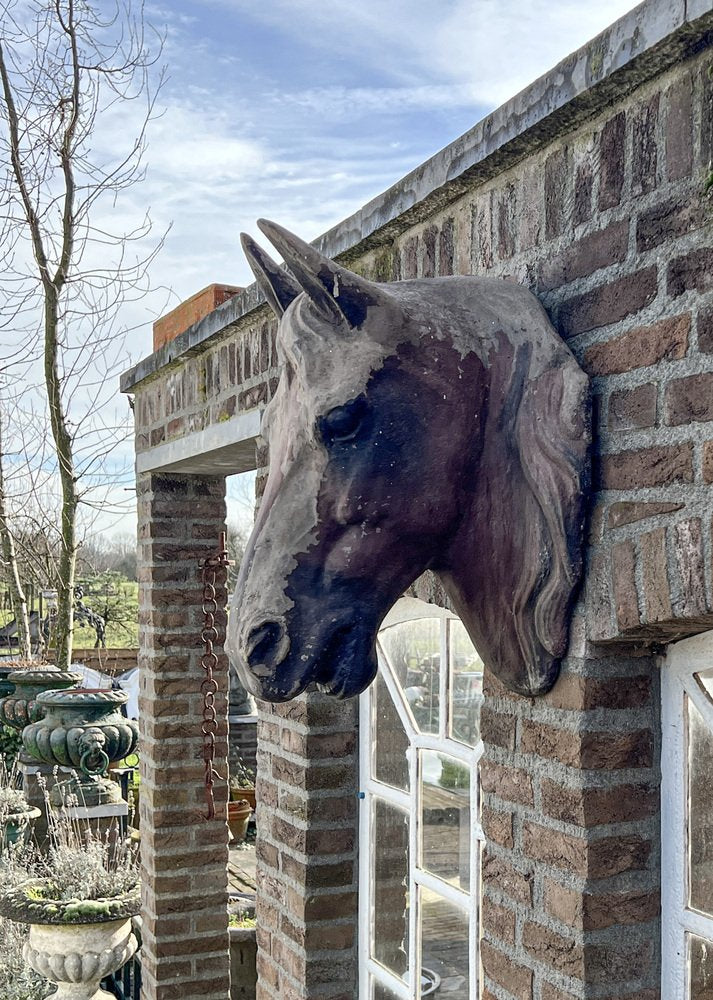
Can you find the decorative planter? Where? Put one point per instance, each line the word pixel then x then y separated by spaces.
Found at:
pixel 21 707
pixel 238 816
pixel 16 827
pixel 248 794
pixel 74 943
pixel 83 729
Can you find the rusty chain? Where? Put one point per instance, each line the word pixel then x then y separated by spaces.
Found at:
pixel 209 662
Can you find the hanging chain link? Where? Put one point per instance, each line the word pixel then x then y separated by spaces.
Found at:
pixel 209 662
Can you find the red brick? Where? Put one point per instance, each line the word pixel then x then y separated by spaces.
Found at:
pixel 515 978
pixel 497 728
pixel 633 408
pixel 608 303
pixel 576 693
pixel 592 252
pixel 690 272
pixel 509 783
pixel 666 340
pixel 690 399
pixel 497 826
pixel 612 161
pixel 589 807
pixel 600 858
pixel 583 183
pixel 498 921
pixel 550 992
pixel 626 601
pixel 679 130
pixel 564 954
pixel 662 465
pixel 588 750
pixel 654 564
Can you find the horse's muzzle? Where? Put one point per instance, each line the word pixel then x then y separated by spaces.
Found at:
pixel 266 646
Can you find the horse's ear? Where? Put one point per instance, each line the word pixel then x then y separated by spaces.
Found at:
pixel 278 287
pixel 340 295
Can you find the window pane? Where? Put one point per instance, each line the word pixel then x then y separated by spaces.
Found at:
pixel 705 683
pixel 414 651
pixel 700 814
pixel 701 968
pixel 390 740
pixel 466 684
pixel 444 944
pixel 445 818
pixel 389 937
pixel 381 992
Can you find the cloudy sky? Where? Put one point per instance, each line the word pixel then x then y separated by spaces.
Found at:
pixel 301 111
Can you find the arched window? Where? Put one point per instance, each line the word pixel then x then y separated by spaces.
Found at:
pixel 420 833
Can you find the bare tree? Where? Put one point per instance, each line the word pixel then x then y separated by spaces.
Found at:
pixel 78 91
pixel 10 566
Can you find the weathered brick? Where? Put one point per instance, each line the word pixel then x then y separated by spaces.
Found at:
pixel 558 169
pixel 497 728
pixel 589 807
pixel 597 750
pixel 594 251
pixel 679 129
pixel 550 992
pixel 498 921
pixel 630 511
pixel 626 601
pixel 632 408
pixel 497 826
pixel 662 465
pixel 689 399
pixel 501 876
pixel 690 272
pixel 705 330
pixel 612 160
pixel 445 248
pixel 690 592
pixel 608 303
pixel 708 462
pixel 583 185
pixel 656 586
pixel 667 221
pixel 565 954
pixel 666 340
pixel 574 692
pixel 504 970
pixel 600 858
pixel 644 161
pixel 509 783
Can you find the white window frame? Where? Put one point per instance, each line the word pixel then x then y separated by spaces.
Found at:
pixel 682 661
pixel 411 609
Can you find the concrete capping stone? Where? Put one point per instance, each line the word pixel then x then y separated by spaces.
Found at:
pixel 640 45
pixel 229 445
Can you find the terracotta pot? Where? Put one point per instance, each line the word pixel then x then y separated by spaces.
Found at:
pixel 236 794
pixel 238 816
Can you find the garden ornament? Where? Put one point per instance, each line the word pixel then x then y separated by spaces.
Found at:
pixel 432 424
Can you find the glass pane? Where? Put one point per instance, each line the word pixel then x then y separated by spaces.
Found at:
pixel 414 652
pixel 700 811
pixel 390 740
pixel 466 684
pixel 445 818
pixel 705 683
pixel 444 946
pixel 700 954
pixel 390 853
pixel 381 992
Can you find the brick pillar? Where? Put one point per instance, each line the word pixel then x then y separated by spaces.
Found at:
pixel 571 814
pixel 307 849
pixel 184 857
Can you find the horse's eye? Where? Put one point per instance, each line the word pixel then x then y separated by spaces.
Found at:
pixel 342 423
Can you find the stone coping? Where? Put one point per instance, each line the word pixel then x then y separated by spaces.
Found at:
pixel 640 45
pixel 27 675
pixel 27 904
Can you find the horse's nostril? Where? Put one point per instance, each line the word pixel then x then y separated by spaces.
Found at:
pixel 266 646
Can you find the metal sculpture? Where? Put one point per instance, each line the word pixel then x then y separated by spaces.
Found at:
pixel 434 424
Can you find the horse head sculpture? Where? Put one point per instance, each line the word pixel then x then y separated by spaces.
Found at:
pixel 434 424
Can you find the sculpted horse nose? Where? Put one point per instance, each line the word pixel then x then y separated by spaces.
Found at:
pixel 266 646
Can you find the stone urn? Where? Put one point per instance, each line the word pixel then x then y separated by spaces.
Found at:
pixel 21 707
pixel 16 826
pixel 83 729
pixel 74 943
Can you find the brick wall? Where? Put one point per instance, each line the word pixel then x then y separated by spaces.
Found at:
pixel 307 849
pixel 184 857
pixel 602 212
